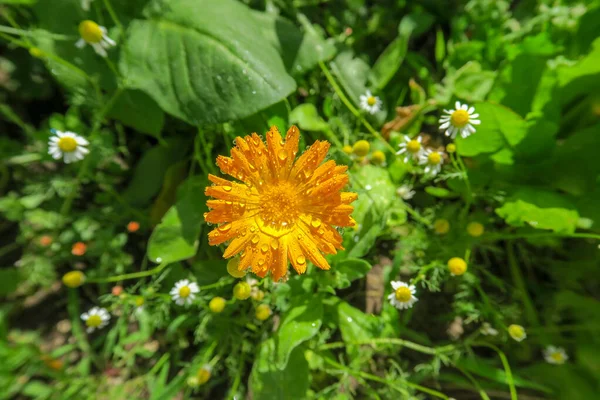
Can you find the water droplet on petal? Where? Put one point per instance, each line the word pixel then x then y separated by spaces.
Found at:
pixel 316 223
pixel 301 259
pixel 282 155
pixel 264 248
pixel 227 188
pixel 224 228
pixel 255 239
pixel 274 244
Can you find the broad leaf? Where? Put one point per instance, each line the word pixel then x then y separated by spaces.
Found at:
pixel 135 109
pixel 307 118
pixel 356 325
pixel 204 61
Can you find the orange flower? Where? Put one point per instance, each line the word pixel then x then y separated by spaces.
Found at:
pixel 133 226
pixel 46 240
pixel 283 208
pixel 79 249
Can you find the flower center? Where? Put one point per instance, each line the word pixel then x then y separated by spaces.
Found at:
pixel 434 158
pixel 413 146
pixel 93 321
pixel 184 291
pixel 403 294
pixel 459 118
pixel 557 357
pixel 371 100
pixel 279 205
pixel 90 31
pixel 516 331
pixel 67 144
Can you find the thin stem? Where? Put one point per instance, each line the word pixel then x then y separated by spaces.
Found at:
pixel 536 235
pixel 470 377
pixel 351 107
pixel 394 341
pixel 77 329
pixel 218 284
pixel 520 285
pixel 133 275
pixel 8 248
pixel 506 365
pixel 113 15
pixel 21 32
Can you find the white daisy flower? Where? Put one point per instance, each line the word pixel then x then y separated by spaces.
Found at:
pixel 85 4
pixel 460 120
pixel 432 160
pixel 487 330
pixel 555 355
pixel 94 35
pixel 517 332
pixel 96 318
pixel 184 292
pixel 406 192
pixel 370 103
pixel 411 148
pixel 67 145
pixel 403 296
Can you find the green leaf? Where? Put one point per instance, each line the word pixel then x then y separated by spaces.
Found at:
pixel 352 269
pixel 441 192
pixel 176 237
pixel 581 77
pixel 540 209
pixel 307 118
pixel 352 74
pixel 500 127
pixel 389 62
pixel 300 323
pixel 9 280
pixel 204 61
pixel 355 325
pixel 267 382
pixel 138 111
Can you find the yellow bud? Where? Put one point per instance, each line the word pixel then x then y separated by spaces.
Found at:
pixel 36 52
pixel 258 295
pixel 217 304
pixel 139 301
pixel 263 312
pixel 517 332
pixel 457 266
pixel 347 149
pixel 441 226
pixel 232 268
pixel 73 279
pixel 242 290
pixel 203 374
pixel 475 229
pixel 193 382
pixel 451 148
pixel 361 148
pixel 378 157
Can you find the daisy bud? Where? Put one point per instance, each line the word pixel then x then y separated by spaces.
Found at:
pixel 361 148
pixel 217 304
pixel 73 279
pixel 475 229
pixel 263 312
pixel 378 157
pixel 457 266
pixel 347 149
pixel 258 294
pixel 451 148
pixel 232 268
pixel 242 290
pixel 517 332
pixel 441 226
pixel 203 374
pixel 193 382
pixel 139 301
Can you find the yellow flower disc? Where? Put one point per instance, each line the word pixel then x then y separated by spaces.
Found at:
pixel 67 144
pixel 457 266
pixel 475 229
pixel 434 158
pixel 517 332
pixel 90 31
pixel 361 148
pixel 347 149
pixel 242 290
pixel 459 118
pixel 378 157
pixel 217 304
pixel 451 148
pixel 263 312
pixel 73 279
pixel 232 268
pixel 441 226
pixel 413 146
pixel 403 294
pixel 203 375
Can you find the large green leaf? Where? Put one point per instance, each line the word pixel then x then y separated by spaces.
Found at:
pixel 540 209
pixel 267 382
pixel 204 61
pixel 300 323
pixel 581 77
pixel 176 237
pixel 137 110
pixel 355 325
pixel 307 118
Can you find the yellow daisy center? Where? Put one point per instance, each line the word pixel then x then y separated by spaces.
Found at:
pixel 94 321
pixel 516 331
pixel 184 291
pixel 90 31
pixel 371 100
pixel 413 146
pixel 457 266
pixel 279 205
pixel 434 158
pixel 558 357
pixel 475 229
pixel 441 226
pixel 67 144
pixel 403 294
pixel 459 118
pixel 203 375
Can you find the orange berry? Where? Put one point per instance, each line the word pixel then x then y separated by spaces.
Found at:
pixel 79 249
pixel 46 240
pixel 133 226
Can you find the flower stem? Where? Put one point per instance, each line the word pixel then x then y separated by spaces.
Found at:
pixel 132 275
pixel 537 235
pixel 113 15
pixel 394 341
pixel 21 32
pixel 506 365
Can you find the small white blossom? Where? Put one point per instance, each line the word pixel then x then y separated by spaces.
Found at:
pixel 85 4
pixel 67 145
pixel 96 36
pixel 184 292
pixel 555 355
pixel 96 318
pixel 432 160
pixel 486 329
pixel 403 296
pixel 411 148
pixel 406 192
pixel 460 120
pixel 370 103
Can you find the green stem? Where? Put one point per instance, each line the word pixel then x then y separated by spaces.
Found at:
pixel 537 235
pixel 218 284
pixel 77 329
pixel 113 15
pixel 351 107
pixel 470 377
pixel 506 365
pixel 8 248
pixel 133 275
pixel 375 378
pixel 21 32
pixel 394 341
pixel 520 285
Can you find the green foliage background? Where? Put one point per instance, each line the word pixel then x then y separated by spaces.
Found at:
pixel 186 78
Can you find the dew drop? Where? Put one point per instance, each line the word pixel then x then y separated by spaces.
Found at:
pixel 224 228
pixel 261 261
pixel 227 188
pixel 301 259
pixel 252 228
pixel 255 239
pixel 282 155
pixel 316 223
pixel 264 248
